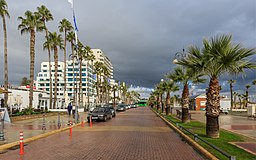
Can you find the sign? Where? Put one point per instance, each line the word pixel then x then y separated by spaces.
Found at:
pixel 4 115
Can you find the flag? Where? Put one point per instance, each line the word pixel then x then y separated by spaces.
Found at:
pixel 71 2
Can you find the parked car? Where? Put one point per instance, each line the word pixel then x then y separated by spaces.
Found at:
pixel 133 106
pixel 100 114
pixel 113 111
pixel 121 107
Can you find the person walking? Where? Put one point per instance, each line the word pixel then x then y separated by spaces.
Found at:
pixel 69 108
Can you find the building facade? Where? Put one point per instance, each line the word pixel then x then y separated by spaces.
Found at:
pixel 88 89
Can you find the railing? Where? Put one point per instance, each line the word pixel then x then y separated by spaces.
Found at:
pixel 196 137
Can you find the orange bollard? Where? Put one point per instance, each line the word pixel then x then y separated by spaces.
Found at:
pixel 21 143
pixel 90 121
pixel 70 129
pixel 82 124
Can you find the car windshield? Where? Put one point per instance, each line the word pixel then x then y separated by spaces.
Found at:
pixel 96 110
pixel 121 105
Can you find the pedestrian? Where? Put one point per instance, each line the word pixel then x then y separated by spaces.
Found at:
pixel 69 108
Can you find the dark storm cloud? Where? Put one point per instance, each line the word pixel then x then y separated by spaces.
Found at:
pixel 140 37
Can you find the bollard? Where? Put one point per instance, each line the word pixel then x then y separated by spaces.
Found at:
pixel 82 124
pixel 21 143
pixel 90 121
pixel 70 129
pixel 195 137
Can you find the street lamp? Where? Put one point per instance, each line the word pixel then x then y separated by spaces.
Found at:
pixel 74 58
pixel 178 56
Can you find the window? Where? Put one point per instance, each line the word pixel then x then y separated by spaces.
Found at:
pixel 44 65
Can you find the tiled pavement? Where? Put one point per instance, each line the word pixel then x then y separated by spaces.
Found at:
pixel 136 134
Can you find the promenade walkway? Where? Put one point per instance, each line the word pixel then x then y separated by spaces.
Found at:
pixel 135 134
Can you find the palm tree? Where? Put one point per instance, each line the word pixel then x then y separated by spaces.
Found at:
pixel 31 23
pixel 231 81
pixel 218 56
pixel 65 26
pixel 71 39
pixel 160 89
pixel 247 95
pixel 184 76
pixel 235 94
pixel 98 71
pixel 114 89
pixel 54 41
pixel 45 16
pixel 169 86
pixel 4 13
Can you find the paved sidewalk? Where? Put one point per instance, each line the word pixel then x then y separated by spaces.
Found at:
pixel 237 124
pixel 136 134
pixel 33 127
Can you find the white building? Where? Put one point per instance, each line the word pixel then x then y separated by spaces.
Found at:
pixel 73 78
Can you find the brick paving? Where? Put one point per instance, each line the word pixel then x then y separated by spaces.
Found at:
pixel 137 134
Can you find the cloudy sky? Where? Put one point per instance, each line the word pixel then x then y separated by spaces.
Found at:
pixel 140 37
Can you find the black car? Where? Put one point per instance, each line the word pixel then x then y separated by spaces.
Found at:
pixel 100 114
pixel 121 107
pixel 133 106
pixel 113 111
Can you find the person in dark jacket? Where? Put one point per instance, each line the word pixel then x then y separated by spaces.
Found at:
pixel 69 108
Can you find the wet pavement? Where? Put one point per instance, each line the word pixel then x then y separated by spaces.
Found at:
pixel 33 127
pixel 237 124
pixel 134 134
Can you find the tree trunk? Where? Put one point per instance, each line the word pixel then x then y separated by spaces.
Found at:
pixel 50 69
pixel 65 66
pixel 55 77
pixel 168 103
pixel 162 105
pixel 158 102
pixel 74 89
pixel 114 101
pixel 231 95
pixel 32 65
pixel 80 83
pixel 185 104
pixel 213 108
pixel 5 63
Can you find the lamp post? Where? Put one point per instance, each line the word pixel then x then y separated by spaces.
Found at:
pixel 74 58
pixel 178 56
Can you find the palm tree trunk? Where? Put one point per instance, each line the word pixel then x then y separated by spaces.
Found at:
pixel 73 62
pixel 185 104
pixel 80 83
pixel 65 65
pixel 162 104
pixel 114 100
pixel 50 69
pixel 55 76
pixel 168 103
pixel 5 62
pixel 32 65
pixel 158 102
pixel 231 95
pixel 212 108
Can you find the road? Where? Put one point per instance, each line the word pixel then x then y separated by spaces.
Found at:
pixel 137 134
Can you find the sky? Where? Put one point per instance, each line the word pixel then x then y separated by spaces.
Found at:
pixel 140 37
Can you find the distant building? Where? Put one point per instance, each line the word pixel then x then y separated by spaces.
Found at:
pixel 73 78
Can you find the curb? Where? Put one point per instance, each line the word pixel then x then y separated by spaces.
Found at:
pixel 199 148
pixel 9 145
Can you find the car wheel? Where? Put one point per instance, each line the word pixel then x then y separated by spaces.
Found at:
pixel 110 117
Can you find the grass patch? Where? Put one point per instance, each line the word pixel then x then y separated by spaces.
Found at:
pixel 222 142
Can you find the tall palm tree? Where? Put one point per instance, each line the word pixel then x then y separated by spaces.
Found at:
pixel 114 89
pixel 4 13
pixel 98 71
pixel 54 41
pixel 169 86
pixel 247 95
pixel 160 89
pixel 45 16
pixel 235 94
pixel 218 56
pixel 184 76
pixel 31 23
pixel 231 81
pixel 71 39
pixel 65 26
